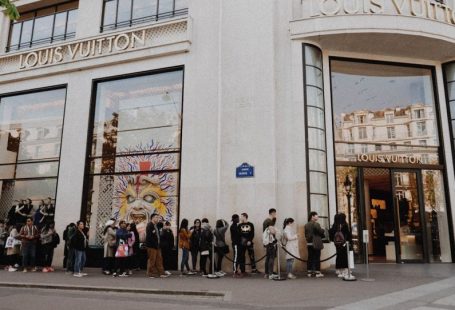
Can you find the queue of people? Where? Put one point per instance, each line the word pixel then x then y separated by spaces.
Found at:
pixel 30 248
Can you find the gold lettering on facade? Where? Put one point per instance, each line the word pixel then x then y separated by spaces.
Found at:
pixel 389 159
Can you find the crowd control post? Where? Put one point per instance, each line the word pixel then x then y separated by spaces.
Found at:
pixel 213 274
pixel 365 242
pixel 349 276
pixel 278 278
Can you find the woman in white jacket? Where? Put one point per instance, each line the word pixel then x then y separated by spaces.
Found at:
pixel 291 241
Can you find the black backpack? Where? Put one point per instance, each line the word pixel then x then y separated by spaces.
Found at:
pixel 55 239
pixel 339 238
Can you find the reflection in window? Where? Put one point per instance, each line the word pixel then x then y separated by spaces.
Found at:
pixel 43 26
pixel 384 94
pixel 127 13
pixel 449 72
pixel 31 131
pixel 135 151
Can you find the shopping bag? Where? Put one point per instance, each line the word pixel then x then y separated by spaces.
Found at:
pixel 122 250
pixel 351 259
pixel 9 243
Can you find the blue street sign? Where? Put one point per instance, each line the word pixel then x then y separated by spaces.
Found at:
pixel 244 171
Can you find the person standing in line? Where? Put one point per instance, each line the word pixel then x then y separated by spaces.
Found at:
pixel 206 246
pixel 131 247
pixel 152 242
pixel 221 248
pixel 235 238
pixel 13 253
pixel 121 258
pixel 340 234
pixel 29 235
pixel 246 241
pixel 135 259
pixel 313 235
pixel 184 244
pixel 79 242
pixel 167 246
pixel 269 237
pixel 3 237
pixel 47 245
pixel 110 242
pixel 291 243
pixel 68 259
pixel 195 241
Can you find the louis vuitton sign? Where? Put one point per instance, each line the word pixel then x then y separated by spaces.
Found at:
pixel 83 49
pixel 428 9
pixel 389 159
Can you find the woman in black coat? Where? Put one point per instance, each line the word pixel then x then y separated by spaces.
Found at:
pixel 339 234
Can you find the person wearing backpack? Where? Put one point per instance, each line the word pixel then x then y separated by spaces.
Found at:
pixel 206 246
pixel 339 233
pixel 291 242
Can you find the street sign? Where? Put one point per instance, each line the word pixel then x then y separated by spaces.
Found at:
pixel 244 171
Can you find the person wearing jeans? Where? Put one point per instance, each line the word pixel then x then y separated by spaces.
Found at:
pixel 184 244
pixel 79 244
pixel 29 235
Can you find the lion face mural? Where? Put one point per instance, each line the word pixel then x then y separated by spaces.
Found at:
pixel 141 198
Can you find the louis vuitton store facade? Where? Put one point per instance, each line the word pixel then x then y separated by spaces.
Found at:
pixel 114 108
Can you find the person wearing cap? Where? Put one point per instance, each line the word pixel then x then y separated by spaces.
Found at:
pixel 152 242
pixel 235 238
pixel 109 247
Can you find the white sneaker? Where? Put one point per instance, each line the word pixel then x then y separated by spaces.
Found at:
pixel 167 273
pixel 79 275
pixel 84 274
pixel 123 275
pixel 319 275
pixel 191 273
pixel 291 276
pixel 12 269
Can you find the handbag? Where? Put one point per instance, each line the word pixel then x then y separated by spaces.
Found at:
pixel 16 242
pixel 205 253
pixel 9 243
pixel 122 250
pixel 317 242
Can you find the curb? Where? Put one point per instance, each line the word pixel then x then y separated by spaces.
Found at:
pixel 211 294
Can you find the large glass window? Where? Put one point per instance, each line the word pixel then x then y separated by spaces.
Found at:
pixel 126 13
pixel 134 160
pixel 47 25
pixel 408 102
pixel 316 134
pixel 30 138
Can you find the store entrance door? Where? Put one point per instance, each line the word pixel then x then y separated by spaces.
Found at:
pixel 409 215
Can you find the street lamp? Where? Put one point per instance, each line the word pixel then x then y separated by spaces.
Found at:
pixel 348 190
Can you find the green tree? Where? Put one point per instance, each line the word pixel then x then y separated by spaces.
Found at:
pixel 11 10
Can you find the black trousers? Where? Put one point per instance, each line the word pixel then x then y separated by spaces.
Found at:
pixel 250 250
pixel 314 259
pixel 204 263
pixel 194 253
pixel 219 258
pixel 48 254
pixel 270 258
pixel 242 251
pixel 121 264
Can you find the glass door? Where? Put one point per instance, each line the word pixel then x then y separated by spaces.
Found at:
pixel 409 216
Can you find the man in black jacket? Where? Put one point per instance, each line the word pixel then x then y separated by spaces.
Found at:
pixel 246 230
pixel 152 242
pixel 167 246
pixel 235 237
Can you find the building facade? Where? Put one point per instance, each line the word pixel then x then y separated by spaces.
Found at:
pixel 123 108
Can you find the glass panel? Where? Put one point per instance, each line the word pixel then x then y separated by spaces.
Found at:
pixel 313 77
pixel 32 125
pixel 316 117
pixel 317 160
pixel 451 90
pixel 144 8
pixel 452 109
pixel 59 27
pixel 319 204
pixel 43 28
pixel 181 4
pixel 110 8
pixel 408 215
pixel 37 170
pixel 15 34
pixel 124 11
pixel 72 22
pixel 7 171
pixel 318 183
pixel 438 233
pixel 316 138
pixel 166 6
pixel 313 57
pixel 13 192
pixel 450 72
pixel 366 94
pixel 26 33
pixel 314 97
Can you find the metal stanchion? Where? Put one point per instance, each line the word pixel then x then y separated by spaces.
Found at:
pixel 349 276
pixel 279 278
pixel 366 241
pixel 213 275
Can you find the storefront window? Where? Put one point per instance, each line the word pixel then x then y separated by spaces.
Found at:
pixel 315 124
pixel 31 131
pixel 47 25
pixel 126 13
pixel 135 151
